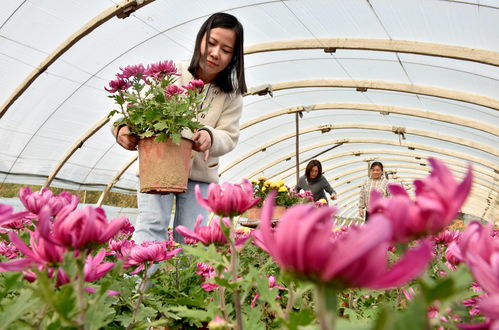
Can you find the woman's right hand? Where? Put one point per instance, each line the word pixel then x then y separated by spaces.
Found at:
pixel 129 142
pixel 361 213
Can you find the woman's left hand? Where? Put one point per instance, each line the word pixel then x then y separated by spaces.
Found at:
pixel 333 197
pixel 202 142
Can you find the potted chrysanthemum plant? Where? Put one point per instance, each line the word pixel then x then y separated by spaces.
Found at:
pixel 159 112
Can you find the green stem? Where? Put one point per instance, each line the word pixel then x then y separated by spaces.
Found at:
pixel 291 302
pixel 40 318
pixel 233 266
pixel 326 301
pixel 142 289
pixel 80 288
pixel 177 275
pixel 221 293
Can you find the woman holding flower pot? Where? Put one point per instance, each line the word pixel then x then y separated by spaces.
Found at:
pixel 314 182
pixel 218 62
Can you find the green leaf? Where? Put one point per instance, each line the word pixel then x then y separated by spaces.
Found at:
pixel 251 318
pixel 204 254
pixel 349 325
pixel 175 137
pixel 160 126
pixel 414 317
pixel 11 282
pixel 445 288
pixel 352 314
pixel 14 311
pixel 99 313
pixel 124 318
pixel 65 301
pixel 300 318
pixel 112 113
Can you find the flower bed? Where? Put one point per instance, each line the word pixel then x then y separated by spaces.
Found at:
pixel 63 267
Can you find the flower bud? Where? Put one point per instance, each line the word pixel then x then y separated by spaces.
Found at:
pixel 218 323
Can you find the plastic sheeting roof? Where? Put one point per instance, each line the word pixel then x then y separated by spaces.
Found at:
pixel 358 71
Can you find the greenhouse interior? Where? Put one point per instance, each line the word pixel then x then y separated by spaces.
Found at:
pixel 391 107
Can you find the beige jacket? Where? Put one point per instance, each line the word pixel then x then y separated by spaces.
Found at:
pixel 222 121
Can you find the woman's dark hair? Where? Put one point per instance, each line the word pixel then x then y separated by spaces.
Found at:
pixel 374 164
pixel 311 164
pixel 225 79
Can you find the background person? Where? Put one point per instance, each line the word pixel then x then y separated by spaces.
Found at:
pixel 376 181
pixel 218 61
pixel 314 181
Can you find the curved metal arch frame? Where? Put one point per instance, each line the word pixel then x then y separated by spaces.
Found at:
pixel 402 144
pixel 115 179
pixel 388 45
pixel 351 207
pixel 462 170
pixel 366 126
pixel 477 189
pixel 349 204
pixel 477 195
pixel 78 144
pixel 383 109
pixel 453 165
pixel 129 6
pixel 121 10
pixel 415 170
pixel 377 152
pixel 365 85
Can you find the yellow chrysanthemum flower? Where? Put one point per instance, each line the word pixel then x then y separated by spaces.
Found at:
pixel 254 182
pixel 263 189
pixel 267 183
pixel 283 189
pixel 244 229
pixel 262 178
pixel 322 200
pixel 280 183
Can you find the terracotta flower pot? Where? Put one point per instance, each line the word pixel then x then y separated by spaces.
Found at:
pixel 164 166
pixel 254 213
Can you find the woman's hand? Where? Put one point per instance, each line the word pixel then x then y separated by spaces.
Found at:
pixel 202 142
pixel 361 213
pixel 333 196
pixel 129 142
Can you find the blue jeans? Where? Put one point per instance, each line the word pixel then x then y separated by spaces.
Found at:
pixel 155 213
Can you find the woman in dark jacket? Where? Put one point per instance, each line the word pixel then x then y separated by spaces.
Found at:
pixel 315 182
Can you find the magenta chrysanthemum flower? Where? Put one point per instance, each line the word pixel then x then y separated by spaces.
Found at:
pixel 304 245
pixel 80 229
pixel 228 200
pixel 34 201
pixel 8 219
pixel 41 253
pixel 94 268
pixel 438 199
pixel 447 236
pixel 194 84
pixel 480 251
pixel 210 234
pixel 132 71
pixel 161 69
pixel 173 90
pixel 118 85
pixel 148 253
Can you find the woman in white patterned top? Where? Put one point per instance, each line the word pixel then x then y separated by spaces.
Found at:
pixel 376 181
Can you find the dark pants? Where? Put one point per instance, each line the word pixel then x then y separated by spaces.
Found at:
pixel 367 216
